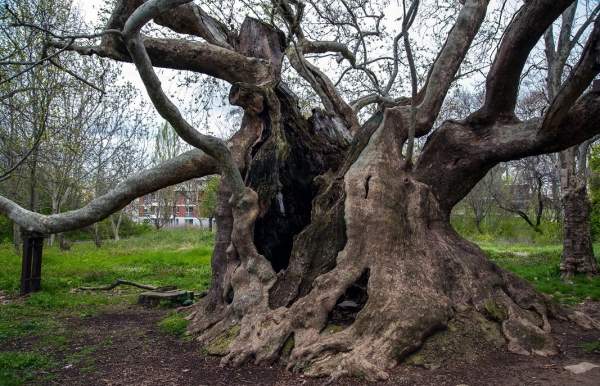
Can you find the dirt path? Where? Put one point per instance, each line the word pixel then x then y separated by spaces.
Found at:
pixel 125 347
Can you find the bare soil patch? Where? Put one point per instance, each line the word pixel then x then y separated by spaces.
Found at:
pixel 126 347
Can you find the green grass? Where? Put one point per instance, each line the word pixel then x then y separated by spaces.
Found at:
pixel 506 228
pixel 170 257
pixel 539 265
pixel 17 368
pixel 36 324
pixel 591 347
pixel 174 324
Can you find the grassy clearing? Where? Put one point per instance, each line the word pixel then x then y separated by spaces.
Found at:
pixel 34 335
pixel 539 265
pixel 169 257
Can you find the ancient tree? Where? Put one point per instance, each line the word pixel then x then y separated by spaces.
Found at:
pixel 319 212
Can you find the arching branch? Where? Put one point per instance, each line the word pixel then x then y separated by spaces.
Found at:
pixel 186 55
pixel 213 146
pixel 192 164
pixel 321 46
pixel 323 86
pixel 216 57
pixel 502 84
pixel 449 60
pixel 187 19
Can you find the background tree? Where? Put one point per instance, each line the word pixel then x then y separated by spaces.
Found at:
pixel 208 200
pixel 578 253
pixel 65 128
pixel 166 147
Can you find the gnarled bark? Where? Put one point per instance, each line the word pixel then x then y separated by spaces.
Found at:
pixel 420 276
pixel 578 253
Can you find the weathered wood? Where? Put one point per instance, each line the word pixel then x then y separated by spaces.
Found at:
pixel 31 267
pixel 119 282
pixel 155 298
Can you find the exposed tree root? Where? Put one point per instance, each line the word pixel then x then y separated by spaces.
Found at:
pixel 422 277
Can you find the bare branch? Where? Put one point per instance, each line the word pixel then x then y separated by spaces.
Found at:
pixel 579 79
pixel 213 146
pixel 320 47
pixel 503 79
pixel 323 86
pixel 7 174
pixel 410 142
pixel 192 164
pixel 198 57
pixel 76 76
pixel 63 47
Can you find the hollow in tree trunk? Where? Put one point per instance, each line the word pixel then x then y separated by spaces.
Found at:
pixel 377 242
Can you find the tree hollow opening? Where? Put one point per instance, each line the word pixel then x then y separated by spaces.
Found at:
pixel 351 302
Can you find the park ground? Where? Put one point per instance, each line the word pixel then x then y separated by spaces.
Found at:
pixel 65 336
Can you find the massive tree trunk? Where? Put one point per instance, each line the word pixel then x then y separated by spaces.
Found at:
pixel 578 252
pixel 356 263
pixel 351 236
pixel 379 251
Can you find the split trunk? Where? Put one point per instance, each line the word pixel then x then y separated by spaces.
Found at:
pixel 341 259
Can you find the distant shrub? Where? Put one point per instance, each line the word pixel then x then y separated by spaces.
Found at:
pixel 127 229
pixel 6 229
pixel 506 228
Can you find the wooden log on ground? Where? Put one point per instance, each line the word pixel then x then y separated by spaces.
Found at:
pixel 173 298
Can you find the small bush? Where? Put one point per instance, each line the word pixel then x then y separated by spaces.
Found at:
pixel 6 229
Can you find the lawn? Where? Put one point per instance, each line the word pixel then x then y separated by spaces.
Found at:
pixel 34 333
pixel 169 257
pixel 539 265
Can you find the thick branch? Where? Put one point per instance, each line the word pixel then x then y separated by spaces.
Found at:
pixel 323 86
pixel 213 146
pixel 187 19
pixel 215 58
pixel 449 60
pixel 458 155
pixel 190 19
pixel 321 47
pixel 192 164
pixel 502 85
pixel 185 55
